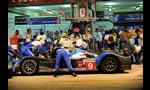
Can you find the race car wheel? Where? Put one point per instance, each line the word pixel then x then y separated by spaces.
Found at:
pixel 110 65
pixel 29 67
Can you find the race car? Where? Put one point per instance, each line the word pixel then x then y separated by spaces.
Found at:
pixel 107 61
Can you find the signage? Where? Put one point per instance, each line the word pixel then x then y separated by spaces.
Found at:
pixel 21 20
pixel 131 17
pixel 47 20
pixel 82 12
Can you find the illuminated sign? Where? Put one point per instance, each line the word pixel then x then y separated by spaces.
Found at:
pixel 130 17
pixel 47 20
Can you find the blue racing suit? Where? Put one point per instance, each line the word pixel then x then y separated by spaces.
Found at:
pixel 62 54
pixel 26 52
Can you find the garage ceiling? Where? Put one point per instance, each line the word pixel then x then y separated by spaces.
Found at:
pixel 101 5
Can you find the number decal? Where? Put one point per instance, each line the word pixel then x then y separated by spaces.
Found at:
pixel 90 66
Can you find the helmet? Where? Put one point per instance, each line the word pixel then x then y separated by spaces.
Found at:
pixel 76 29
pixel 70 32
pixel 64 35
pixel 41 31
pixel 96 30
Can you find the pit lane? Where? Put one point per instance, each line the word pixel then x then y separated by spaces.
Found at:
pixel 126 80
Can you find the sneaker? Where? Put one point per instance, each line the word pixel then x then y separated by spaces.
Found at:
pixel 73 74
pixel 55 75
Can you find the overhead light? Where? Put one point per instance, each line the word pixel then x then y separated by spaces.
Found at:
pixel 66 5
pixel 50 12
pixel 54 11
pixel 47 11
pixel 111 3
pixel 31 7
pixel 138 7
pixel 110 8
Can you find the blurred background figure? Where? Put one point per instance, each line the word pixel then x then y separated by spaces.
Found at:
pixel 48 39
pixel 56 36
pixel 113 32
pixel 19 36
pixel 132 32
pixel 109 40
pixel 89 38
pixel 41 36
pixel 36 34
pixel 28 37
pixel 98 40
pixel 125 35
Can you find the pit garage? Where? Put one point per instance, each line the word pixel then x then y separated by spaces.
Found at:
pixel 90 31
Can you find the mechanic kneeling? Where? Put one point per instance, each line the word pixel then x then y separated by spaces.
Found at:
pixel 62 53
pixel 26 52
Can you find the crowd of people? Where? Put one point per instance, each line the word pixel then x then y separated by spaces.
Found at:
pixel 119 39
pixel 115 39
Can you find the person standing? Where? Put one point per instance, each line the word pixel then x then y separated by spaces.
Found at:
pixel 61 32
pixel 56 36
pixel 132 39
pixel 14 38
pixel 103 35
pixel 42 37
pixel 98 39
pixel 28 37
pixel 36 34
pixel 125 35
pixel 19 36
pixel 89 38
pixel 118 37
pixel 140 39
pixel 115 38
pixel 48 39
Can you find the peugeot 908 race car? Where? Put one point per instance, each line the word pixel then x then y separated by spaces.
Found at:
pixel 107 61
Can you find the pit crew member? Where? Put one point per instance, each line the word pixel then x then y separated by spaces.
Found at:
pixel 25 51
pixel 63 53
pixel 42 37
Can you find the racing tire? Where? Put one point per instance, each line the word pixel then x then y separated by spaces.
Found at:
pixel 29 67
pixel 110 64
